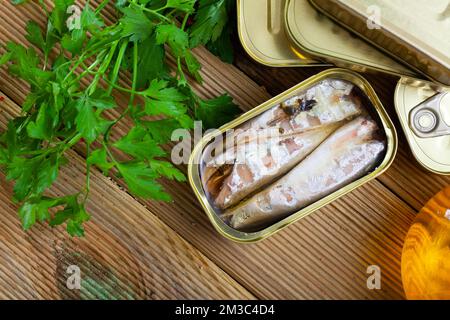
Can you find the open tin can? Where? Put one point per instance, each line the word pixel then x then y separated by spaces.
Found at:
pixel 318 36
pixel 336 135
pixel 261 29
pixel 414 32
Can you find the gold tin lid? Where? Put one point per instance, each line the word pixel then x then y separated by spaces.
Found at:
pixel 424 112
pixel 247 237
pixel 320 37
pixel 262 33
pixel 415 32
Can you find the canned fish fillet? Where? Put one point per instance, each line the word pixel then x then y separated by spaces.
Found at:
pixel 292 155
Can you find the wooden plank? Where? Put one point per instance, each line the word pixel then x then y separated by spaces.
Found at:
pixel 411 181
pixel 127 253
pixel 322 256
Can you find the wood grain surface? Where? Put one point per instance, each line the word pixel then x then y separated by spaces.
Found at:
pixel 127 253
pixel 145 249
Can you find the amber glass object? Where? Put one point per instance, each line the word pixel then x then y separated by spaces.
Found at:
pixel 426 252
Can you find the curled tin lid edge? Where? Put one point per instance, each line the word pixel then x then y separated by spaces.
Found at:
pixel 339 61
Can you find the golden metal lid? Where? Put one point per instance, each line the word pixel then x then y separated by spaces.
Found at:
pixel 261 30
pixel 424 112
pixel 415 32
pixel 320 37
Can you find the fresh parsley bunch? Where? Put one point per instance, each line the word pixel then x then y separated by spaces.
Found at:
pixel 72 76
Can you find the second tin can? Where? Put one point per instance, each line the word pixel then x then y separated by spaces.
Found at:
pixel 415 32
pixel 318 36
pixel 302 98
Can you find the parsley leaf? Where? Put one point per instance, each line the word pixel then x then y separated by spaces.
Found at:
pixel 222 46
pixel 37 209
pixel 159 89
pixel 89 122
pixel 193 66
pixel 215 112
pixel 60 14
pixel 89 20
pixel 74 214
pixel 210 20
pixel 161 130
pixel 141 180
pixel 135 24
pixel 35 35
pixel 32 175
pixel 167 170
pixel 151 61
pixel 99 158
pixel 183 5
pixel 168 101
pixel 176 38
pixel 139 144
pixel 70 91
pixel 42 127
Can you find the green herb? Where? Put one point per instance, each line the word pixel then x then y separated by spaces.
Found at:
pixel 70 93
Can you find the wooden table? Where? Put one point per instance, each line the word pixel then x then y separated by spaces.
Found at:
pixel 137 249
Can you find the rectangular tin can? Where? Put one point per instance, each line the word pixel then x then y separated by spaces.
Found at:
pixel 423 109
pixel 262 33
pixel 318 36
pixel 412 31
pixel 247 237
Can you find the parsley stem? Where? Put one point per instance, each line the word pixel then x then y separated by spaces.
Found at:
pixel 122 115
pixel 185 19
pixel 89 69
pixel 181 72
pixel 135 71
pixel 116 86
pixel 179 65
pixel 88 176
pixel 171 12
pixel 103 68
pixel 75 66
pixel 108 151
pixel 156 14
pixel 100 7
pixel 115 72
pixel 133 90
pixel 161 9
pixel 45 61
pixel 74 140
pixel 86 55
